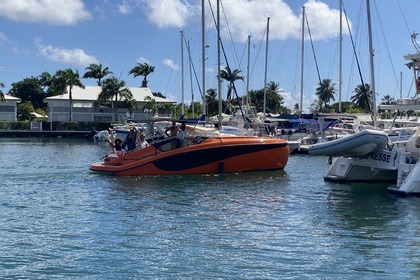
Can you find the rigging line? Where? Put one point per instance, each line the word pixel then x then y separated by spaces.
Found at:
pixel 230 34
pixel 357 60
pixel 386 45
pixel 227 66
pixel 313 49
pixel 405 20
pixel 195 72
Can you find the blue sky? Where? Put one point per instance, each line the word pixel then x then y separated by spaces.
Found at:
pixel 42 35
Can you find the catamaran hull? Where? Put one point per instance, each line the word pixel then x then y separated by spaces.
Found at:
pixel 379 167
pixel 210 157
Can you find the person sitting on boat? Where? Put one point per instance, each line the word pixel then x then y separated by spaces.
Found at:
pixel 130 141
pixel 173 130
pixel 143 143
pixel 117 147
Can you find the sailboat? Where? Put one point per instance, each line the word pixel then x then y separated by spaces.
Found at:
pixel 366 156
pixel 203 151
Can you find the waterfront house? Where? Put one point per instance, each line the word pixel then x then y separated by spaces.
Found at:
pixel 8 108
pixel 87 108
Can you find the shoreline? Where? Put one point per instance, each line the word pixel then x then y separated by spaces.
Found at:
pixel 55 133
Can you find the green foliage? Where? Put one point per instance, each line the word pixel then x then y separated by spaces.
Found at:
pixel 2 98
pixel 95 71
pixel 29 90
pixel 19 125
pixel 142 69
pixel 24 111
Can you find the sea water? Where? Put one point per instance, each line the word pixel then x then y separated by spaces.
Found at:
pixel 59 220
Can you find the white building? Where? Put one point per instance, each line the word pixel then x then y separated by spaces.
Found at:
pixel 87 108
pixel 8 108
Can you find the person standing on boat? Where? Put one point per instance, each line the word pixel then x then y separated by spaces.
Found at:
pixel 174 129
pixel 130 141
pixel 182 135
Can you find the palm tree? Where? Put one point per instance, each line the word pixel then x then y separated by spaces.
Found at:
pixel 142 69
pixel 64 79
pixel 230 76
pixel 2 98
pixel 363 97
pixel 151 105
pixel 325 92
pixel 112 88
pixel 95 71
pixel 211 101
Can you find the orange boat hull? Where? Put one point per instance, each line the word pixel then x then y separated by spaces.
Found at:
pixel 211 156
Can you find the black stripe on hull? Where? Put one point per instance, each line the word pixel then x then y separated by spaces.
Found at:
pixel 197 158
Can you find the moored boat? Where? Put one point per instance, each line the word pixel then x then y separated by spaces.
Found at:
pixel 361 143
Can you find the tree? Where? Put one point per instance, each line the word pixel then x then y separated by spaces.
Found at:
pixel 211 101
pixel 363 97
pixel 95 71
pixel 64 79
pixel 2 98
pixel 231 77
pixel 29 90
pixel 151 105
pixel 142 69
pixel 325 92
pixel 112 88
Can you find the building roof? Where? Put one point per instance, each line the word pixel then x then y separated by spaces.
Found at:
pixel 11 98
pixel 91 93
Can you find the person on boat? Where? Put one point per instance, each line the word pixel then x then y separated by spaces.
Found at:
pixel 117 147
pixel 143 143
pixel 130 141
pixel 173 130
pixel 182 135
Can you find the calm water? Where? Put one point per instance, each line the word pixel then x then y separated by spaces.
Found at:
pixel 59 220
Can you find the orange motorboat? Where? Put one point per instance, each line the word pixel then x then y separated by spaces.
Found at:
pixel 199 155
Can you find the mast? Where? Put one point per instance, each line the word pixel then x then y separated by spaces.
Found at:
pixel 182 73
pixel 203 57
pixel 372 73
pixel 265 70
pixel 219 80
pixel 302 54
pixel 340 76
pixel 247 75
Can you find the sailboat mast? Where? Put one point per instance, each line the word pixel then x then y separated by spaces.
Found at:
pixel 302 54
pixel 219 80
pixel 182 72
pixel 265 70
pixel 340 67
pixel 372 73
pixel 247 75
pixel 203 57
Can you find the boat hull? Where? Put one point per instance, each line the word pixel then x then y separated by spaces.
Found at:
pixel 379 167
pixel 213 155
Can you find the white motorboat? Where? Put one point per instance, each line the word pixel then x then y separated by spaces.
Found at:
pixel 361 143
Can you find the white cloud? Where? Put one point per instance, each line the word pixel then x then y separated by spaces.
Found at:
pixel 168 13
pixel 4 39
pixel 73 57
pixel 249 17
pixel 170 63
pixel 57 12
pixel 124 8
pixel 143 60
